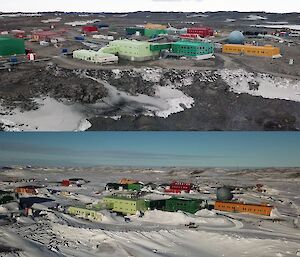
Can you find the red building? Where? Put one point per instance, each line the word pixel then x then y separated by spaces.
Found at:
pixel 65 183
pixel 188 36
pixel 178 187
pixel 201 31
pixel 89 29
pixel 46 35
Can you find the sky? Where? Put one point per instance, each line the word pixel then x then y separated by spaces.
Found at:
pixel 149 5
pixel 151 149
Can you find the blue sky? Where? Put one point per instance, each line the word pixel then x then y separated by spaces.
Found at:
pixel 220 149
pixel 150 5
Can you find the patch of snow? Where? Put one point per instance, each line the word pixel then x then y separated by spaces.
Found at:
pixel 51 20
pixel 175 99
pixel 260 84
pixel 50 116
pixel 254 18
pixel 197 15
pixel 81 23
pixel 230 20
pixel 84 125
pixel 117 73
pixel 12 15
pixel 290 26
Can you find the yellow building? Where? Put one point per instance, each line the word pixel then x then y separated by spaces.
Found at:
pixel 85 213
pixel 154 26
pixel 124 205
pixel 265 51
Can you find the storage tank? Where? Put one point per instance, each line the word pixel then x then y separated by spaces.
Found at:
pixel 224 194
pixel 236 37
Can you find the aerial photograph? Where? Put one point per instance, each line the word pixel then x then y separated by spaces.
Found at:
pixel 184 65
pixel 169 194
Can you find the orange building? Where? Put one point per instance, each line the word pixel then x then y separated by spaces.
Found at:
pixel 154 26
pixel 259 209
pixel 31 190
pixel 264 51
pixel 126 181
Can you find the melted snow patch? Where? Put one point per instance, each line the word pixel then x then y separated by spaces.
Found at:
pixel 50 116
pixel 260 84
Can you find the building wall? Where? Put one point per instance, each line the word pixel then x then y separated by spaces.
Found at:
pixel 192 49
pixel 131 50
pixel 154 32
pixel 11 46
pixel 187 205
pixel 125 206
pixel 266 51
pixel 241 207
pixel 95 57
pixel 85 213
pixel 132 31
pixel 155 26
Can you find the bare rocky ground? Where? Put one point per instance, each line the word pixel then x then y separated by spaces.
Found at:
pixel 215 107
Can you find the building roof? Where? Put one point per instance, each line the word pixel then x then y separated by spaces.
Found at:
pixel 132 42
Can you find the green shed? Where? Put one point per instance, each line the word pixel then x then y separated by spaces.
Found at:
pixel 192 48
pixel 11 46
pixel 154 32
pixel 135 186
pixel 183 204
pixel 133 30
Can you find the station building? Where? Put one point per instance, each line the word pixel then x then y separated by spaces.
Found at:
pixel 192 48
pixel 125 205
pixel 263 51
pixel 258 209
pixel 85 213
pixel 11 46
pixel 131 50
pixel 95 57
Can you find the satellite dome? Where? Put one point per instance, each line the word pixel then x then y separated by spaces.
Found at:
pixel 224 194
pixel 236 37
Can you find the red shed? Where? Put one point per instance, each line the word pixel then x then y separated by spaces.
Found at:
pixel 178 187
pixel 201 31
pixel 65 183
pixel 89 29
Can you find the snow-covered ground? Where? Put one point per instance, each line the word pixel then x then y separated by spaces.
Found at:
pixel 50 116
pixel 157 233
pixel 267 86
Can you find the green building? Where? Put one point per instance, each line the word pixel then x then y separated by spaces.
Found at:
pixel 183 204
pixel 192 48
pixel 11 46
pixel 131 50
pixel 125 205
pixel 85 213
pixel 160 46
pixel 6 197
pixel 151 33
pixel 133 30
pixel 156 204
pixel 135 186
